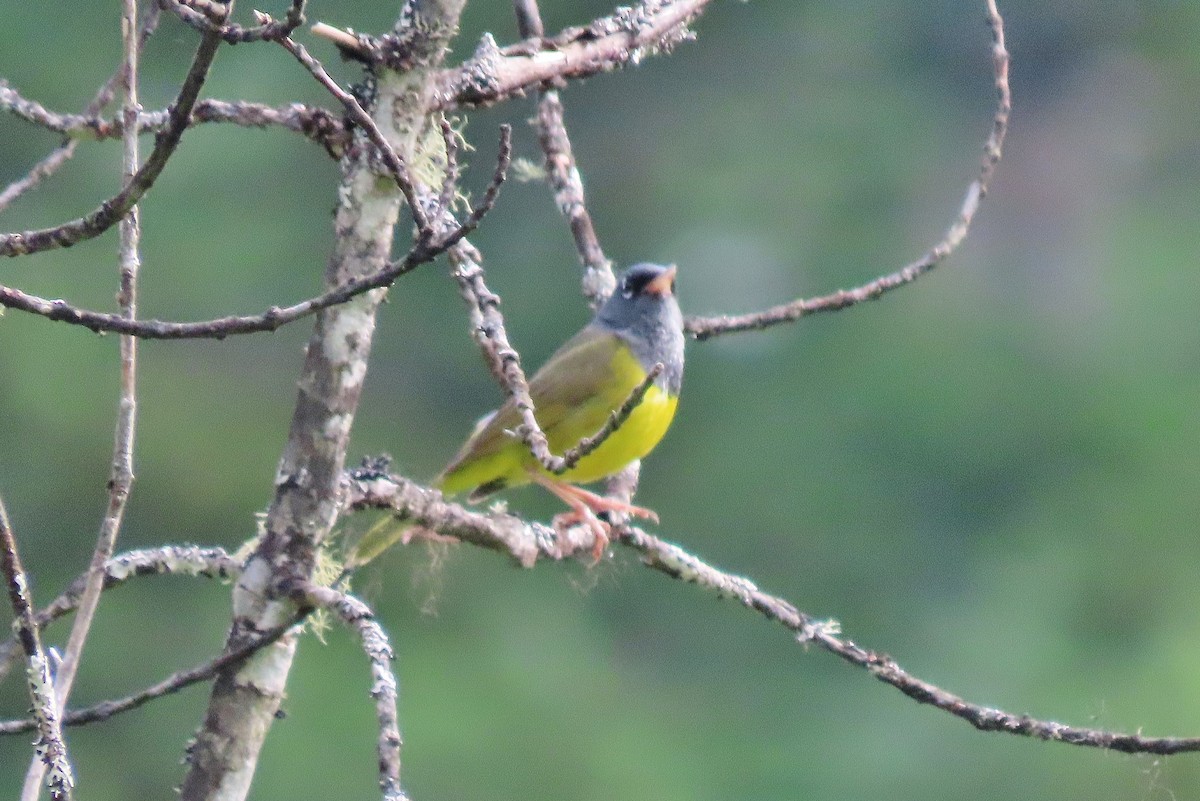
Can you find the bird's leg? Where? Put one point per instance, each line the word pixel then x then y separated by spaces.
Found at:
pixel 580 513
pixel 585 506
pixel 602 503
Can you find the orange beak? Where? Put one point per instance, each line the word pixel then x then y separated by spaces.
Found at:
pixel 663 284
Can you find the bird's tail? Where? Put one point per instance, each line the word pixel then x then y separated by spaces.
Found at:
pixel 385 533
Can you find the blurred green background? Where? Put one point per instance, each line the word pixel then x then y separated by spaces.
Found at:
pixel 991 475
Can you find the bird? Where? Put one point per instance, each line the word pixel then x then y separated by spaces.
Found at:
pixel 576 391
pixel 637 330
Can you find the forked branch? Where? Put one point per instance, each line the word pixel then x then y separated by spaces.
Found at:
pixel 115 208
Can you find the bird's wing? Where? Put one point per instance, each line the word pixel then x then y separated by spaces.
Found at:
pixel 573 394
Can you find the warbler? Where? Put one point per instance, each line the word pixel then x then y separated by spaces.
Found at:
pixel 574 394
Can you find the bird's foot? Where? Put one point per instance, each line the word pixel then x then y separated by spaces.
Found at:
pixel 584 516
pixel 585 508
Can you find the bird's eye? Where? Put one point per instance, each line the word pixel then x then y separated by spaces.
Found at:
pixel 626 289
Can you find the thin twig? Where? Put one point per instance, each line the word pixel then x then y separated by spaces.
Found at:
pixel 177 560
pixel 487 329
pixel 706 327
pixel 120 480
pixel 221 327
pixel 203 15
pixel 490 194
pixel 51 164
pixel 425 249
pixel 63 153
pixel 562 173
pixel 168 686
pixel 528 542
pixel 116 207
pixel 209 17
pixel 49 749
pixel 450 179
pixel 348 43
pixel 615 420
pixel 316 123
pixel 361 118
pixel 384 687
pixel 564 178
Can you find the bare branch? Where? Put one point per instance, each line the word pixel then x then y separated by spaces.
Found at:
pixel 168 686
pixel 426 248
pixel 524 543
pixel 49 749
pixel 384 687
pixel 120 480
pixel 626 37
pixel 33 112
pixel 677 563
pixel 361 118
pixel 63 153
pixel 563 174
pixel 208 16
pixel 529 19
pixel 116 207
pixel 564 178
pixel 176 560
pixel 38 173
pixel 706 327
pixel 318 124
pixel 350 44
pixel 527 542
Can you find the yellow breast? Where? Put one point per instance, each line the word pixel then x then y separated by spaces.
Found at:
pixel 636 437
pixel 576 405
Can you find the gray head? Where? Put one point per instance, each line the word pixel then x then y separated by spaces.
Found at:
pixel 643 311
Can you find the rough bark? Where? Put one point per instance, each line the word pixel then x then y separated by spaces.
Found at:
pixel 245 700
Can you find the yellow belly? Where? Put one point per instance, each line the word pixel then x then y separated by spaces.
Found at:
pixel 636 437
